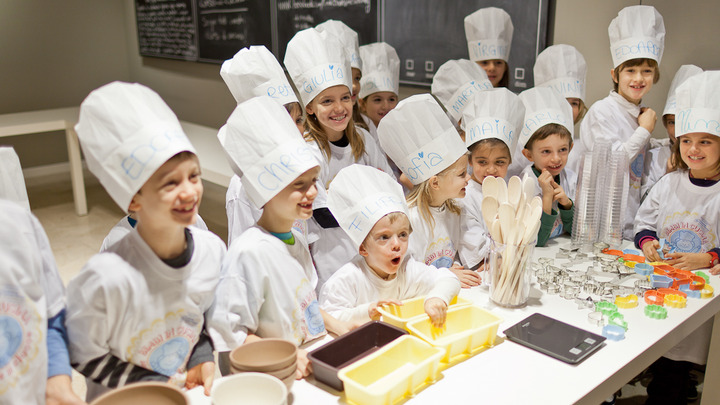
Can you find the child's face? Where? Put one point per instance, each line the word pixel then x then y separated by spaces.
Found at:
pixel 575 104
pixel 495 69
pixel 378 104
pixel 296 199
pixel 634 82
pixel 297 117
pixel 385 246
pixel 489 160
pixel 452 182
pixel 669 122
pixel 701 152
pixel 172 195
pixel 356 76
pixel 550 153
pixel 333 109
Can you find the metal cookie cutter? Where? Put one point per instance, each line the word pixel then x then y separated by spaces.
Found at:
pixel 596 318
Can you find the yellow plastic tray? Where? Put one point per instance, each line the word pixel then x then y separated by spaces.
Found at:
pixel 399 369
pixel 467 330
pixel 400 315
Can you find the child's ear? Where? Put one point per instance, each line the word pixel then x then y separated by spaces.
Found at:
pixel 612 75
pixel 363 252
pixel 434 182
pixel 134 204
pixel 309 109
pixel 527 154
pixel 571 146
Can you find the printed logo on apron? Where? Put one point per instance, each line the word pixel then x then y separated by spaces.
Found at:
pixel 21 336
pixel 440 253
pixel 688 232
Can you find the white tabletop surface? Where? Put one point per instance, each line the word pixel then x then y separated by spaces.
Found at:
pixel 512 374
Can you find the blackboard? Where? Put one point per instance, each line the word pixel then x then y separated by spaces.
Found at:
pixel 427 33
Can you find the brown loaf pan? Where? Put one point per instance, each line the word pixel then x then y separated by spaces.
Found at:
pixel 349 348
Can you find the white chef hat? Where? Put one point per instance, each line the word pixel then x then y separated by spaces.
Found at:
pixel 455 83
pixel 347 37
pixel 636 32
pixel 127 132
pixel 685 72
pixel 261 140
pixel 563 68
pixel 419 138
pixel 382 69
pixel 496 113
pixel 316 61
pixel 361 195
pixel 253 72
pixel 12 182
pixel 698 104
pixel 489 34
pixel 544 105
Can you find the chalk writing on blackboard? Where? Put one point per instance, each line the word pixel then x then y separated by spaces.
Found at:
pixel 166 29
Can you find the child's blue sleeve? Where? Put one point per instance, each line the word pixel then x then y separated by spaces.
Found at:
pixel 57 346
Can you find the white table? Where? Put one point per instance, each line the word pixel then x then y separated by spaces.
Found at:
pixel 511 374
pixel 59 119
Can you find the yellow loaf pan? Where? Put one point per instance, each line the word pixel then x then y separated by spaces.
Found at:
pixel 399 315
pixel 399 369
pixel 467 330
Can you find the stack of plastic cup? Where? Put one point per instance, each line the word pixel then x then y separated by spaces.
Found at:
pixel 615 195
pixel 584 231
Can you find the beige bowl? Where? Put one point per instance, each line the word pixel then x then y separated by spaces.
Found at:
pixel 249 388
pixel 281 374
pixel 264 355
pixel 150 392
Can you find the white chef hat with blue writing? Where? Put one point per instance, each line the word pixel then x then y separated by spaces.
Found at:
pixel 253 72
pixel 127 132
pixel 316 60
pixel 489 33
pixel 685 72
pixel 361 195
pixel 544 105
pixel 261 140
pixel 382 69
pixel 497 113
pixel 455 83
pixel 347 37
pixel 563 68
pixel 12 182
pixel 698 104
pixel 420 138
pixel 636 32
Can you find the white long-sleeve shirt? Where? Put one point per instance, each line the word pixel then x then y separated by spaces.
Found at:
pixel 354 287
pixel 475 239
pixel 435 245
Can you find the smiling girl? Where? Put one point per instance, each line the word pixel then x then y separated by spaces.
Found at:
pixel 637 36
pixel 320 68
pixel 489 33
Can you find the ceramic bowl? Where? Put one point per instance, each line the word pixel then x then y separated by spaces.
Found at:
pixel 264 355
pixel 249 388
pixel 155 393
pixel 281 374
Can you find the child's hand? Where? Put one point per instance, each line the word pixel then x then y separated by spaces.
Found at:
pixel 202 374
pixel 468 278
pixel 647 118
pixel 304 368
pixel 437 311
pixel 650 250
pixel 560 196
pixel 715 270
pixel 548 190
pixel 688 261
pixel 373 312
pixel 58 391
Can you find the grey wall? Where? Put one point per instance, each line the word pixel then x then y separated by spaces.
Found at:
pixel 54 53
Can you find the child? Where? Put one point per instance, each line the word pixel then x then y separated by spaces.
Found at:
pixel 254 72
pixel 489 34
pixel 349 41
pixel 145 318
pixel 382 272
pixel 683 208
pixel 128 222
pixel 492 121
pixel 319 66
pixel 636 42
pixel 34 360
pixel 380 85
pixel 658 162
pixel 268 280
pixel 421 140
pixel 547 139
pixel 455 83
